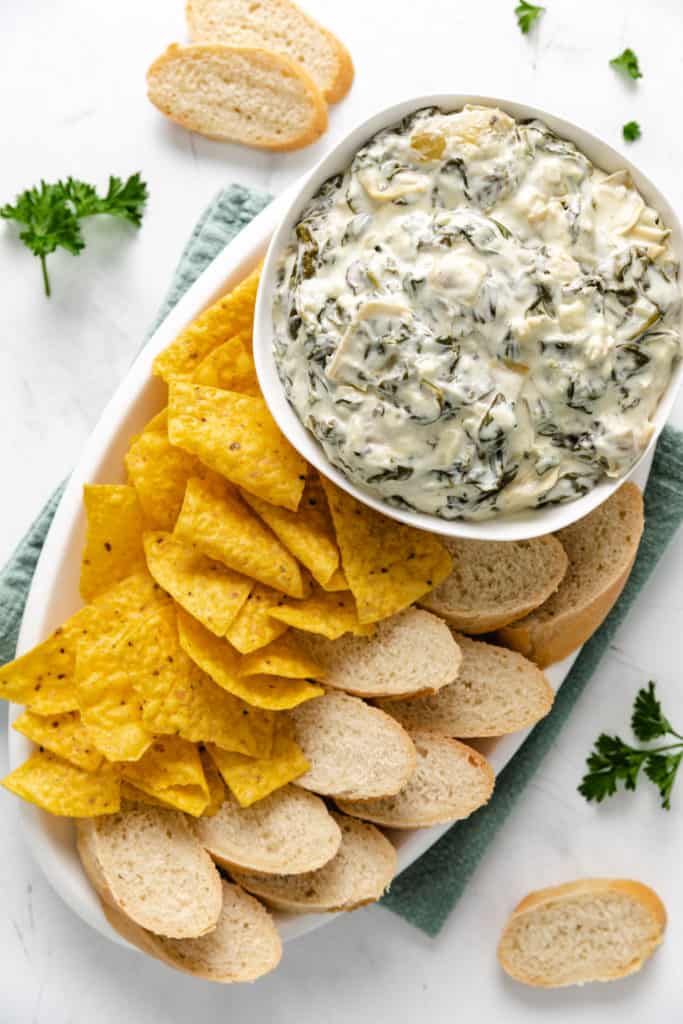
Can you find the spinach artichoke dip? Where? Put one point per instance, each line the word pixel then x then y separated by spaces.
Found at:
pixel 473 319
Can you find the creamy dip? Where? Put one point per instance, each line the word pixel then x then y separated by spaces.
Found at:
pixel 473 319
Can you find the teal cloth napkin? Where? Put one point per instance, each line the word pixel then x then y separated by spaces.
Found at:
pixel 425 893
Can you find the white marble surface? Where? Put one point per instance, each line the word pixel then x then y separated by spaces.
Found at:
pixel 72 84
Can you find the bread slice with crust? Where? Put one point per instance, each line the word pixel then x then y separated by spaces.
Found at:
pixel 359 873
pixel 601 548
pixel 243 946
pixel 410 653
pixel 354 750
pixel 289 831
pixel 496 582
pixel 496 692
pixel 594 929
pixel 235 94
pixel 147 863
pixel 280 26
pixel 450 781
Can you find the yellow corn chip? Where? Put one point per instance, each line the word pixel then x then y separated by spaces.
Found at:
pixel 251 779
pixel 236 436
pixel 63 788
pixel 207 589
pixel 132 793
pixel 253 626
pixel 171 770
pixel 215 783
pixel 159 473
pixel 230 315
pixel 113 541
pixel 231 367
pixel 158 423
pixel 178 698
pixel 308 533
pixel 330 615
pixel 221 661
pixel 282 657
pixel 221 526
pixel 64 735
pixel 388 565
pixel 336 582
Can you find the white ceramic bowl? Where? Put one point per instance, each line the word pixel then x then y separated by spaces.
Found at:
pixel 532 522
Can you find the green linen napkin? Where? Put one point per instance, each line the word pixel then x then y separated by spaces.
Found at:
pixel 426 892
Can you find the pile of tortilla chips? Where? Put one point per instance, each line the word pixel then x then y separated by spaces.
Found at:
pixel 175 679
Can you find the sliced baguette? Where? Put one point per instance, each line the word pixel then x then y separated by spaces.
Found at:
pixel 360 872
pixel 450 781
pixel 594 929
pixel 601 548
pixel 289 831
pixel 354 751
pixel 245 95
pixel 496 692
pixel 147 863
pixel 243 946
pixel 496 582
pixel 280 26
pixel 410 653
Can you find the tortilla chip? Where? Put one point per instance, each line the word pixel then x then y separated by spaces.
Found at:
pixel 171 770
pixel 389 565
pixel 221 661
pixel 231 367
pixel 221 526
pixel 236 436
pixel 178 698
pixel 251 779
pixel 64 789
pixel 132 793
pixel 113 540
pixel 207 589
pixel 282 657
pixel 308 533
pixel 231 315
pixel 159 473
pixel 215 783
pixel 253 626
pixel 158 423
pixel 64 735
pixel 337 582
pixel 329 615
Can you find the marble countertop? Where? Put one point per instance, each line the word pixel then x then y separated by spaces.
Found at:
pixel 72 76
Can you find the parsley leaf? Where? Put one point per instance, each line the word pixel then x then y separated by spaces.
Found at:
pixel 611 762
pixel 51 213
pixel 631 131
pixel 647 720
pixel 527 14
pixel 628 63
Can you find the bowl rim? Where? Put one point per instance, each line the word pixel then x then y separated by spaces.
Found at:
pixel 520 526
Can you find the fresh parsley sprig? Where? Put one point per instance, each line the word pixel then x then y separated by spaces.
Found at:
pixel 627 62
pixel 631 131
pixel 613 762
pixel 527 14
pixel 51 213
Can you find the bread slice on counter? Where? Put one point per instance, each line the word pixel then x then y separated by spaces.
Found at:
pixel 146 863
pixel 450 781
pixel 243 946
pixel 410 653
pixel 289 831
pixel 359 873
pixel 234 94
pixel 496 692
pixel 280 26
pixel 594 929
pixel 496 582
pixel 601 548
pixel 354 750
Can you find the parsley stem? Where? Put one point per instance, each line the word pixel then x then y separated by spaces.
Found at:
pixel 46 279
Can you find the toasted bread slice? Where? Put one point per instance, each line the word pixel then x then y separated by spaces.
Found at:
pixel 496 692
pixel 280 26
pixel 496 582
pixel 359 873
pixel 594 929
pixel 289 831
pixel 354 751
pixel 410 653
pixel 450 781
pixel 243 946
pixel 601 548
pixel 251 96
pixel 147 863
